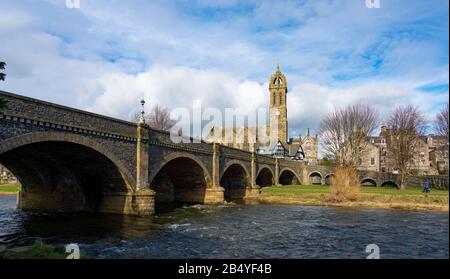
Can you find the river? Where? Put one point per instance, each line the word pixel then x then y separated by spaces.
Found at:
pixel 235 231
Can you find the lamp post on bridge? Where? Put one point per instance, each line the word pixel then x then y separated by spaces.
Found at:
pixel 142 117
pixel 143 201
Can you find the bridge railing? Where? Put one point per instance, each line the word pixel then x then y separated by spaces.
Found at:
pixel 236 153
pixel 33 110
pixel 162 138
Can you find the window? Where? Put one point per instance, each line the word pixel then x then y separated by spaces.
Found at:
pixel 372 161
pixel 360 162
pixel 278 81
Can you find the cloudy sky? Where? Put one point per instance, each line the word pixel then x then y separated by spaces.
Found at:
pixel 107 55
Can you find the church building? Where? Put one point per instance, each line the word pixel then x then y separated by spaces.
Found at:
pixel 278 144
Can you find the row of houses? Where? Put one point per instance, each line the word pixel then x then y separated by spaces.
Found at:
pixel 431 155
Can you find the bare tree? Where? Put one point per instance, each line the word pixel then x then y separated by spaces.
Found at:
pixel 405 125
pixel 345 133
pixel 158 118
pixel 441 122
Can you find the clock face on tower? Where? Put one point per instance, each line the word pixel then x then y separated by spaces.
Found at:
pixel 277 113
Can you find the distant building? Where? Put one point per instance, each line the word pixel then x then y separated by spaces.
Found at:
pixel 6 176
pixel 431 154
pixel 275 135
pixel 438 150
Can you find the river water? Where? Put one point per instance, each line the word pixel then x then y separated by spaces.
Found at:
pixel 235 231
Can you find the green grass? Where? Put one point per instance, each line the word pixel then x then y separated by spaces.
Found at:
pixel 39 250
pixel 383 197
pixel 324 189
pixel 9 188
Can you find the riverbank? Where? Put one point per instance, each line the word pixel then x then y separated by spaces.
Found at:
pixel 9 189
pixel 375 197
pixel 39 250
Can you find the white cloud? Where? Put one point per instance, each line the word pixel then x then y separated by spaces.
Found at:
pixel 308 103
pixel 175 87
pixel 94 57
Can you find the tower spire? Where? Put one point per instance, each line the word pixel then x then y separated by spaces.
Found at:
pixel 278 111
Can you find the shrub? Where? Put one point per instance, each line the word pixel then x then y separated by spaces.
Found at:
pixel 344 184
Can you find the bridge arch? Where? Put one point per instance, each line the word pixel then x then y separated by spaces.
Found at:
pixel 288 177
pixel 180 177
pixel 390 183
pixel 235 179
pixel 328 178
pixel 265 177
pixel 315 178
pixel 368 181
pixel 56 171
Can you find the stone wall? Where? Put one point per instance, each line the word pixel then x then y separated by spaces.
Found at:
pixel 38 110
pixel 436 181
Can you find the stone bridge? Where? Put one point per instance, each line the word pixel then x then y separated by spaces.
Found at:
pixel 72 160
pixel 320 175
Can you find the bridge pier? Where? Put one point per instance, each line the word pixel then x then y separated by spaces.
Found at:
pixel 214 192
pixel 214 195
pixel 51 201
pixel 253 191
pixel 139 203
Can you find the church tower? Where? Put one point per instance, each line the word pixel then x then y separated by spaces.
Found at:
pixel 278 111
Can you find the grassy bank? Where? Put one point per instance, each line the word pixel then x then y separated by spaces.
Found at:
pixel 39 250
pixel 379 197
pixel 9 189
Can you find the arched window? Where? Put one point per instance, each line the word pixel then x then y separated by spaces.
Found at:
pixel 278 81
pixel 274 98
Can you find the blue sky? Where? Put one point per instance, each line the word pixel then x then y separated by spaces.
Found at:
pixel 107 55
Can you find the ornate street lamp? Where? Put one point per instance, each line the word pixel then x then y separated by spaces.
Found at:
pixel 142 118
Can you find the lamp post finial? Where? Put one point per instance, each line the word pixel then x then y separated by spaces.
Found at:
pixel 142 118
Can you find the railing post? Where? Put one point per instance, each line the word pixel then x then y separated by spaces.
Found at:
pixel 214 192
pixel 253 171
pixel 142 157
pixel 143 199
pixel 277 172
pixel 305 175
pixel 215 166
